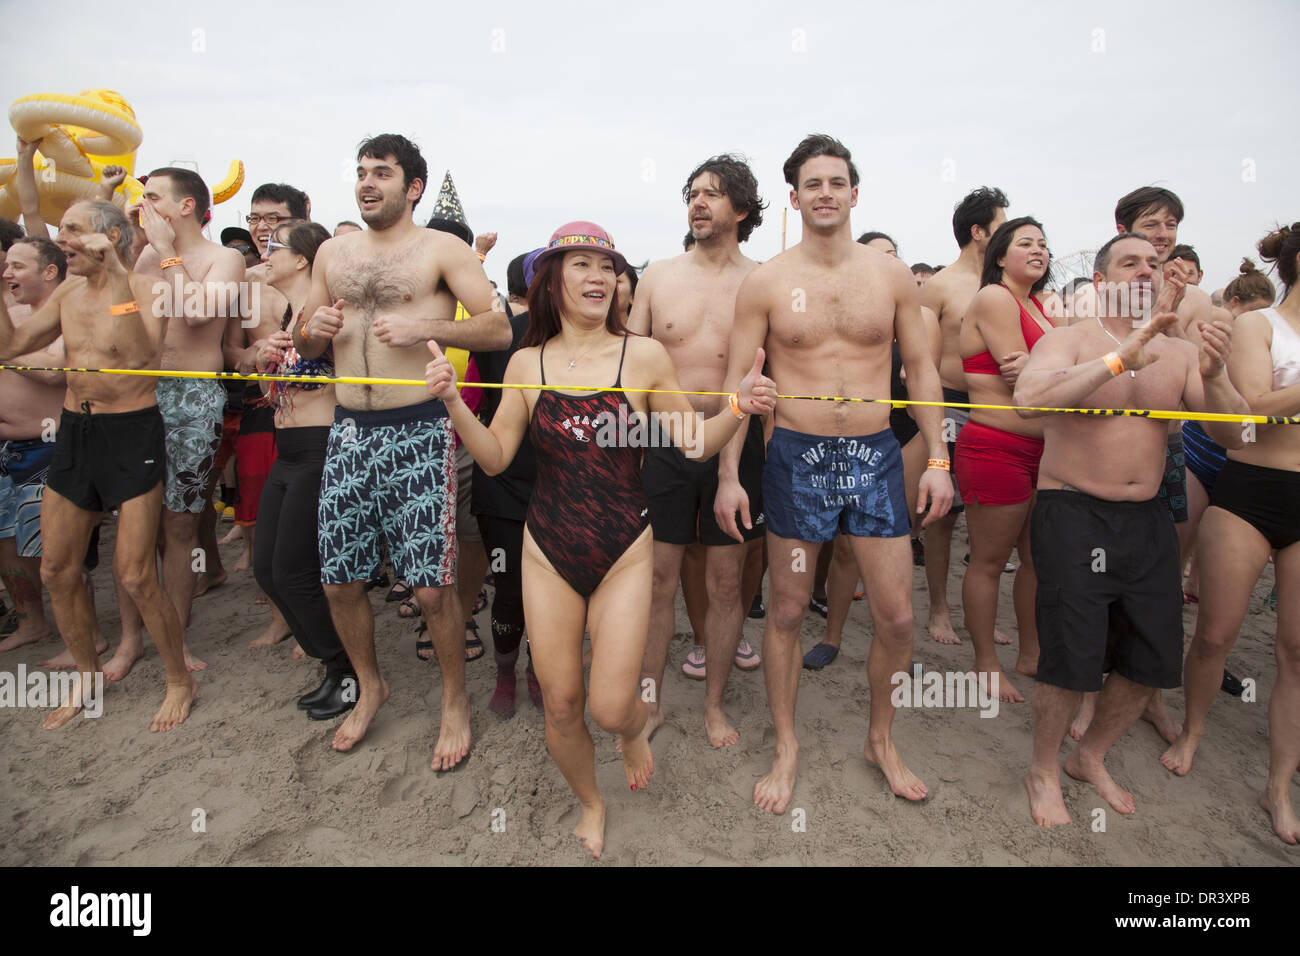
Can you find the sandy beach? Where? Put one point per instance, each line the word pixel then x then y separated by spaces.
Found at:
pixel 271 790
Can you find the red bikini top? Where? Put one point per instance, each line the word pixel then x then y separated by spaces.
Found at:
pixel 983 364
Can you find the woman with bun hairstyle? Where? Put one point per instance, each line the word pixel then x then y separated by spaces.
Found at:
pixel 1255 509
pixel 587 555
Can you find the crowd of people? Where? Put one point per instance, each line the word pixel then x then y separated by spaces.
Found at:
pixel 650 449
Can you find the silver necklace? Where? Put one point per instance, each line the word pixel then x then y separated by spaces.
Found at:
pixel 574 361
pixel 1132 374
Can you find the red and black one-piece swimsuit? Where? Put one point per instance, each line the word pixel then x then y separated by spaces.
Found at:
pixel 588 505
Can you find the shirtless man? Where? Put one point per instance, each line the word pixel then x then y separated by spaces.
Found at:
pixel 827 311
pixel 390 466
pixel 111 451
pixel 202 280
pixel 30 403
pixel 688 303
pixel 948 294
pixel 1104 549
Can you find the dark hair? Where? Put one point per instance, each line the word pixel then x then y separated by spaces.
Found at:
pixel 1101 262
pixel 688 241
pixel 48 253
pixel 998 246
pixel 1249 284
pixel 633 277
pixel 978 208
pixel 1073 285
pixel 544 297
pixel 303 238
pixel 1132 206
pixel 187 184
pixel 349 222
pixel 1281 247
pixel 458 229
pixel 515 283
pixel 10 232
pixel 867 237
pixel 817 144
pixel 1186 253
pixel 919 267
pixel 405 153
pixel 295 200
pixel 737 180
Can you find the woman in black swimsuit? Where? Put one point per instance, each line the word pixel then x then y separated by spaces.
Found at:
pixel 587 558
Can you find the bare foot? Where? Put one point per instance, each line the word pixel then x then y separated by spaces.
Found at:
pixel 24 635
pixel 1178 758
pixel 1005 690
pixel 1083 717
pixel 1046 801
pixel 176 705
pixel 719 729
pixel 65 661
pixel 1000 638
pixel 591 829
pixel 453 736
pixel 902 781
pixel 774 791
pixel 233 534
pixel 298 653
pixel 1283 817
pixel 192 663
pixel 638 761
pixel 244 562
pixel 1083 766
pixel 653 721
pixel 358 720
pixel 209 581
pixel 1158 716
pixel 275 632
pixel 1027 666
pixel 61 715
pixel 941 630
pixel 120 664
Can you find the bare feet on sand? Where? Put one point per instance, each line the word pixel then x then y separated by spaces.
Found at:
pixel 654 720
pixel 209 581
pixel 192 663
pixel 120 664
pixel 1083 716
pixel 638 761
pixel 275 632
pixel 1027 666
pixel 591 829
pixel 773 792
pixel 1046 801
pixel 176 705
pixel 369 700
pixel 1084 766
pixel 1178 758
pixel 453 736
pixel 24 635
pixel 65 661
pixel 719 729
pixel 61 715
pixel 1005 690
pixel 1159 717
pixel 298 653
pixel 941 630
pixel 1283 817
pixel 1000 638
pixel 904 783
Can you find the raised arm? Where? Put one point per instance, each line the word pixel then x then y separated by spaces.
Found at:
pixel 29 200
pixel 40 330
pixel 1208 388
pixel 493 448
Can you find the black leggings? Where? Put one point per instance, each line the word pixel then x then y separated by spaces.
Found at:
pixel 503 540
pixel 286 562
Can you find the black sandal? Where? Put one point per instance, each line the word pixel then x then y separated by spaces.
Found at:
pixel 472 642
pixel 425 645
pixel 400 591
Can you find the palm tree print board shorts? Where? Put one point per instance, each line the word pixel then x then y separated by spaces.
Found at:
pixel 389 472
pixel 192 411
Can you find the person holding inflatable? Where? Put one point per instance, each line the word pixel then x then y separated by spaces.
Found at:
pixel 587 556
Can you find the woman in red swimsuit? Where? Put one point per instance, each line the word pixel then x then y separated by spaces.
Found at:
pixel 996 461
pixel 587 557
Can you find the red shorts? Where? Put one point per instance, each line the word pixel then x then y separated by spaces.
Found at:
pixel 254 456
pixel 229 432
pixel 994 467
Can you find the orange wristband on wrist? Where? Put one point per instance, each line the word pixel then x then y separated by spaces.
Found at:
pixel 941 463
pixel 734 401
pixel 126 308
pixel 168 263
pixel 482 256
pixel 1114 363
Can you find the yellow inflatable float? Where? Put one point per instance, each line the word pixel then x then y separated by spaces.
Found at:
pixel 79 136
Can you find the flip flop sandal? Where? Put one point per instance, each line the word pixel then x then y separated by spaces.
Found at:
pixel 747 658
pixel 400 591
pixel 480 602
pixel 425 645
pixel 472 642
pixel 818 606
pixel 820 656
pixel 408 608
pixel 694 666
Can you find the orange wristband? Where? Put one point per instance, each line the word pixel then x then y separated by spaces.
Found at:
pixel 168 263
pixel 734 400
pixel 941 463
pixel 126 308
pixel 303 329
pixel 482 256
pixel 1114 363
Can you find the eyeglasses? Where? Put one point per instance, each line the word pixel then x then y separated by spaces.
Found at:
pixel 271 219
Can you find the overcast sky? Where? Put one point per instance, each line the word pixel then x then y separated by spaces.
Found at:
pixel 549 112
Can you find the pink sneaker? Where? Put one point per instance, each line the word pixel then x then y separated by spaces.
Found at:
pixel 747 658
pixel 694 666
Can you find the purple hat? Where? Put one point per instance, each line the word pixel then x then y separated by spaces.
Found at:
pixel 530 266
pixel 580 235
